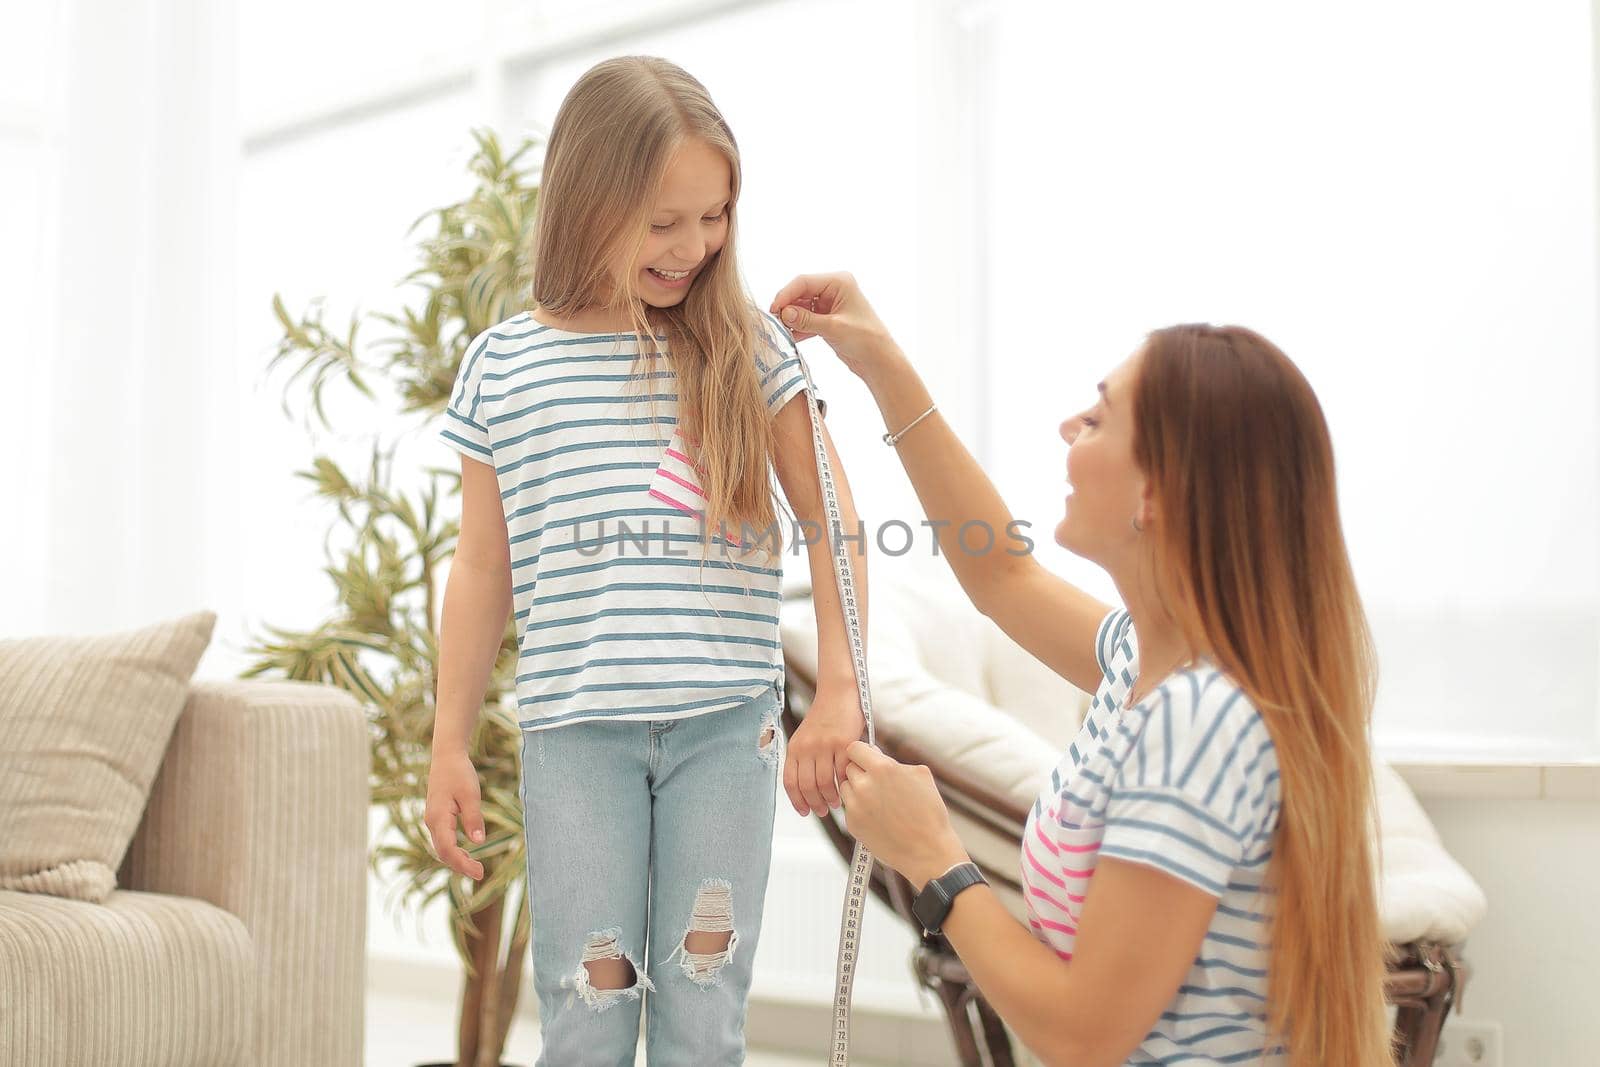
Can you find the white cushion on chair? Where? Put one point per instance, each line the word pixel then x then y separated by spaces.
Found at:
pixel 946 640
pixel 1424 894
pixel 1030 691
pixel 948 679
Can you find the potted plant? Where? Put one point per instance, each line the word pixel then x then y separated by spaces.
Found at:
pixel 385 549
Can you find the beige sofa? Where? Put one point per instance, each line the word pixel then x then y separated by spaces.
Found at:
pixel 237 931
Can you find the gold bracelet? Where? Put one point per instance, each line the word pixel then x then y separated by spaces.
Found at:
pixel 894 438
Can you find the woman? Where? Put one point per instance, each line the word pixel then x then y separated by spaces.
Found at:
pixel 1198 871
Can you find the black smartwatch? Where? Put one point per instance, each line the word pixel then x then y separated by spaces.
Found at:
pixel 933 903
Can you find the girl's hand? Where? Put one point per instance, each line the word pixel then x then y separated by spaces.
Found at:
pixel 896 811
pixel 815 761
pixel 831 306
pixel 453 792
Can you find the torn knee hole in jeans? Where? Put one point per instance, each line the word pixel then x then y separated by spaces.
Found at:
pixel 708 944
pixel 599 981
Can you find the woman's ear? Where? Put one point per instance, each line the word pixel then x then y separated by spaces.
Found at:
pixel 1145 514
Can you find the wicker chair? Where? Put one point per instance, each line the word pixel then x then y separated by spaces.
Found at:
pixel 1425 978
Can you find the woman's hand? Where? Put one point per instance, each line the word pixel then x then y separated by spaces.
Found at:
pixel 815 761
pixel 831 306
pixel 896 811
pixel 453 791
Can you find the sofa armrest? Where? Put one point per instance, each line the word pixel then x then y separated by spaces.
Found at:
pixel 260 808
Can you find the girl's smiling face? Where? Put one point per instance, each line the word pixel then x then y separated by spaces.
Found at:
pixel 1107 487
pixel 688 224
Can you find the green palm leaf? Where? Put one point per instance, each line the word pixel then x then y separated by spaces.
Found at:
pixel 385 542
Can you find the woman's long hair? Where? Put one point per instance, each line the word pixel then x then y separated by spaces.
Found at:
pixel 613 138
pixel 1252 559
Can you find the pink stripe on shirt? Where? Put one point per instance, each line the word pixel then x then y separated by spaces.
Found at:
pixel 687 485
pixel 1053 902
pixel 1026 851
pixel 675 454
pixel 1056 849
pixel 681 506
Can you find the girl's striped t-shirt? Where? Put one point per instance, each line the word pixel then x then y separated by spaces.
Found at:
pixel 620 611
pixel 1186 782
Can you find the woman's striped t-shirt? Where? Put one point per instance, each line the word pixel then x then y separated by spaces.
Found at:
pixel 620 611
pixel 1185 781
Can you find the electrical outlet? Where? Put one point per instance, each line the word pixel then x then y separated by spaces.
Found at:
pixel 1469 1043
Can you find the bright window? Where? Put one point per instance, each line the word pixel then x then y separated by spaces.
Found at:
pixel 1403 198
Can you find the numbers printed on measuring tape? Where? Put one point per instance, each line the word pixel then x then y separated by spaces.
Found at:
pixel 861 861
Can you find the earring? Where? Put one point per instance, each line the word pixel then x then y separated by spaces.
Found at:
pixel 1134 522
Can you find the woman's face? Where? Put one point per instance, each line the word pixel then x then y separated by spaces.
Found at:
pixel 1106 488
pixel 688 225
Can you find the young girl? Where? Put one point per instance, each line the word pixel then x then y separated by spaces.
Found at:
pixel 617 443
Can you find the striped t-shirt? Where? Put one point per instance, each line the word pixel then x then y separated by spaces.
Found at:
pixel 1185 781
pixel 620 611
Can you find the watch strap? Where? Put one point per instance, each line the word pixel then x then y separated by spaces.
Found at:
pixel 938 896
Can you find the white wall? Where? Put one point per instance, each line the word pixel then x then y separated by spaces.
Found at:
pixel 1402 196
pixel 1536 954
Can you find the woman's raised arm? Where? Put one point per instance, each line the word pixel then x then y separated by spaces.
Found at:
pixel 1054 620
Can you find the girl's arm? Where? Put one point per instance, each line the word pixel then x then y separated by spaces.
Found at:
pixel 1054 620
pixel 477 601
pixel 817 751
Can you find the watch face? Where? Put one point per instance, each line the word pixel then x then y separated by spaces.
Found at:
pixel 930 906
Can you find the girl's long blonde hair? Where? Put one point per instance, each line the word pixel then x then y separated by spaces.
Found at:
pixel 613 138
pixel 1253 559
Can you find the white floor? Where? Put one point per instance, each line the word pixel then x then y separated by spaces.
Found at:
pixel 404 1031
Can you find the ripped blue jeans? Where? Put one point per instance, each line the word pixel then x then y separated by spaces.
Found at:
pixel 640 833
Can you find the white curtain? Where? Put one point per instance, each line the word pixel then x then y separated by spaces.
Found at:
pixel 124 495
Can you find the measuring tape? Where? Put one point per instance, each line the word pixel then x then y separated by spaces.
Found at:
pixel 855 895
